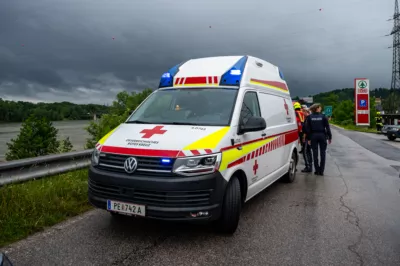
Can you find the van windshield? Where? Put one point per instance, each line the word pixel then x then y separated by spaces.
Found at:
pixel 204 106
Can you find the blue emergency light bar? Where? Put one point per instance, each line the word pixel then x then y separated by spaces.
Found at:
pixel 167 79
pixel 233 76
pixel 281 74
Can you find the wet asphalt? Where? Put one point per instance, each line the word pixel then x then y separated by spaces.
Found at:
pixel 350 216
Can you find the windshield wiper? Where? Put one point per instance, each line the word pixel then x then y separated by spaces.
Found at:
pixel 182 123
pixel 138 122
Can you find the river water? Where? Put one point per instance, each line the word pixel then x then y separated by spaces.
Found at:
pixel 75 130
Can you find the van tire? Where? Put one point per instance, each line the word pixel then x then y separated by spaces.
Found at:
pixel 391 138
pixel 231 208
pixel 290 176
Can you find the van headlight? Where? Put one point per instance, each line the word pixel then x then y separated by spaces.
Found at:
pixel 197 165
pixel 96 155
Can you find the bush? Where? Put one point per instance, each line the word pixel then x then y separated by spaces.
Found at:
pixel 65 145
pixel 37 137
pixel 120 110
pixel 348 122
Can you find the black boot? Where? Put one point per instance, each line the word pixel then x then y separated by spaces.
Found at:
pixel 306 170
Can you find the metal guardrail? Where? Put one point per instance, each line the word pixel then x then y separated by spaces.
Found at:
pixel 33 168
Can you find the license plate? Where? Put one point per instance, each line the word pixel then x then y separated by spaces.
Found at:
pixel 126 208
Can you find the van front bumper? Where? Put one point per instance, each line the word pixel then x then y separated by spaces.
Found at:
pixel 166 198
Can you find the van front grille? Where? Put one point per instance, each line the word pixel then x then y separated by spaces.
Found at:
pixel 146 165
pixel 196 198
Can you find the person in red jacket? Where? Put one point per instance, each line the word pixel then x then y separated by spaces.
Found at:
pixel 300 119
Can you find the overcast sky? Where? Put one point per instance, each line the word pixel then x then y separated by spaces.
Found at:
pixel 63 50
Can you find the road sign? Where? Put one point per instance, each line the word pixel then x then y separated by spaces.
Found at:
pixel 328 110
pixel 361 93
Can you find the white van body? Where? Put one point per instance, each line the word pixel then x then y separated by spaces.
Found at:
pixel 198 148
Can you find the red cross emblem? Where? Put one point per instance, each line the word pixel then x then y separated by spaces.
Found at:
pixel 286 107
pixel 255 167
pixel 148 133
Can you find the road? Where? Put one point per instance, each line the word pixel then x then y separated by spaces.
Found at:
pixel 351 216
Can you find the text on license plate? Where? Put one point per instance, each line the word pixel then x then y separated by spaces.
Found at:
pixel 127 208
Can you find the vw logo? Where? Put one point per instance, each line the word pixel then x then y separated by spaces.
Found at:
pixel 130 165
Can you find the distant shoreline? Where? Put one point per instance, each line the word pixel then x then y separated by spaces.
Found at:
pixel 66 120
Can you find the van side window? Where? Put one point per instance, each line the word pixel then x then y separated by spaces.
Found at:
pixel 250 107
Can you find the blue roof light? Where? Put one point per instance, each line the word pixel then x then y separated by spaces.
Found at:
pixel 167 79
pixel 281 74
pixel 233 76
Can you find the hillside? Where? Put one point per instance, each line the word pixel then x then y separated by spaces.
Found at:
pixel 348 94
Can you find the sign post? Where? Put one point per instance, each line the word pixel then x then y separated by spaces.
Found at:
pixel 328 110
pixel 361 96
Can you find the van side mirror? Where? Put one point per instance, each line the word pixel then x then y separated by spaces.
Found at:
pixel 254 123
pixel 4 261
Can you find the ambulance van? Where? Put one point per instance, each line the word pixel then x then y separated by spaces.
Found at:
pixel 217 132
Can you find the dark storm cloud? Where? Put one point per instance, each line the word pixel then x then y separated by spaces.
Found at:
pixel 64 50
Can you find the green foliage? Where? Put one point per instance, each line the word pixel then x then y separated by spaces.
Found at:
pixel 121 108
pixel 37 137
pixel 19 111
pixel 372 112
pixel 344 112
pixel 32 206
pixel 65 145
pixel 392 103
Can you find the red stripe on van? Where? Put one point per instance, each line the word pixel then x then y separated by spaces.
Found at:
pixel 195 80
pixel 288 137
pixel 277 84
pixel 140 152
pixel 287 134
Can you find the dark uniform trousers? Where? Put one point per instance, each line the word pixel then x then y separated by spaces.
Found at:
pixel 307 155
pixel 319 139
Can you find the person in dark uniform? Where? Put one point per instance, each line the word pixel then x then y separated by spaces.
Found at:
pixel 317 132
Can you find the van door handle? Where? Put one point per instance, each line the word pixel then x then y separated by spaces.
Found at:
pixel 263 134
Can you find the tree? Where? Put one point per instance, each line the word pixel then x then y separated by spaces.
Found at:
pixel 121 108
pixel 37 137
pixel 65 145
pixel 391 104
pixel 372 112
pixel 11 111
pixel 344 113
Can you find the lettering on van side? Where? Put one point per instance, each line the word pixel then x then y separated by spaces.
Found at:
pixel 141 143
pixel 199 128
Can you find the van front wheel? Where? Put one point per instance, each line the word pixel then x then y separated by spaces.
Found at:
pixel 231 208
pixel 291 174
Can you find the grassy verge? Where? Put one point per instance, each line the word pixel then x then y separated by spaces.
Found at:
pixel 355 128
pixel 30 207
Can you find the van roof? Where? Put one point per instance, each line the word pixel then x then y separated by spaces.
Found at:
pixel 225 71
